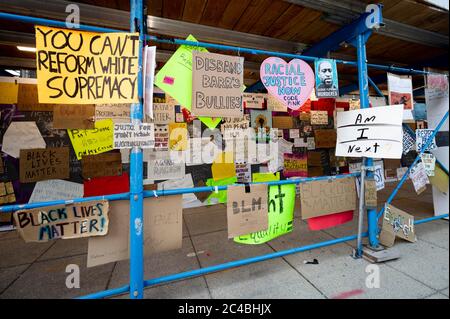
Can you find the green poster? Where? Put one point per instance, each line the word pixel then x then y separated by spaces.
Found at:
pixel 210 122
pixel 281 216
pixel 265 177
pixel 220 196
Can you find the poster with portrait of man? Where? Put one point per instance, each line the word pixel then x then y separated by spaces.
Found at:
pixel 326 78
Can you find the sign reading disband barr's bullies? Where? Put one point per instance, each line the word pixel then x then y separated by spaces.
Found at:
pixel 134 135
pixel 71 221
pixel 75 67
pixel 217 82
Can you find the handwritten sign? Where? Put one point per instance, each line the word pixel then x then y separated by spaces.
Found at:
pixel 75 67
pixel 396 223
pixel 134 135
pixel 231 123
pixel 275 105
pixel 295 165
pixel 164 169
pixel 374 132
pixel 246 209
pixel 243 172
pixel 325 138
pixel 429 162
pixel 370 193
pixel 282 122
pixel 319 117
pixel 7 195
pixel 422 137
pixel 55 189
pixel 217 81
pixel 254 100
pixel 320 198
pixel 161 137
pixel 105 164
pixel 70 221
pixel 118 112
pixel 21 135
pixel 281 203
pixel 41 164
pixel 74 116
pixel 91 142
pixel 291 83
pixel 419 177
pixel 163 113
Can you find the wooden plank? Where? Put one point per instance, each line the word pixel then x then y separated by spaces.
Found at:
pixel 193 10
pixel 232 13
pixel 253 13
pixel 309 17
pixel 285 24
pixel 213 12
pixel 155 7
pixel 173 9
pixel 274 11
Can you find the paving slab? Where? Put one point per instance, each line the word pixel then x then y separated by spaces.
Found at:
pixel 437 296
pixel 15 251
pixel 206 221
pixel 435 232
pixel 8 275
pixel 11 234
pixel 66 248
pixel 158 265
pixel 47 279
pixel 267 279
pixel 445 291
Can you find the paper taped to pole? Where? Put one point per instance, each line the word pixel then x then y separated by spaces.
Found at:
pixel 374 132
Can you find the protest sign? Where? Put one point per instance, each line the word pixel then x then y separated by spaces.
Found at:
pixel 21 135
pixel 74 116
pixel 44 163
pixel 429 161
pixel 217 81
pixel 223 166
pixel 319 117
pixel 163 113
pixel 55 189
pixel 275 105
pixel 319 198
pixel 374 132
pixel 70 221
pixel 28 99
pixel 134 135
pixel 178 136
pixel 325 138
pixel 327 84
pixel 161 137
pixel 164 169
pixel 419 178
pixel 281 203
pixel 77 67
pixel 295 165
pixel 91 142
pixel 219 197
pixel 282 122
pixel 294 133
pixel 422 137
pixel 162 230
pixel 243 172
pixel 185 182
pixel 370 193
pixel 231 123
pixel 396 223
pixel 400 90
pixel 7 195
pixel 114 111
pixel 246 209
pixel 254 100
pixel 291 83
pixel 105 164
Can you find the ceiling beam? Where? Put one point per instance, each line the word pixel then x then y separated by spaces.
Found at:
pixel 345 11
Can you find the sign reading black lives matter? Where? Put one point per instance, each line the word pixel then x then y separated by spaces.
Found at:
pixel 374 132
pixel 75 67
pixel 134 135
pixel 217 82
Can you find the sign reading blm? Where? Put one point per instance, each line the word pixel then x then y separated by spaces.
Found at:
pixel 76 67
pixel 217 82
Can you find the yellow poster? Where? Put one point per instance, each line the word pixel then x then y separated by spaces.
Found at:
pixel 440 179
pixel 178 136
pixel 8 93
pixel 95 141
pixel 75 67
pixel 223 166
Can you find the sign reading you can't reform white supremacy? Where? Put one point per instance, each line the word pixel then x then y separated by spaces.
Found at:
pixel 374 132
pixel 75 67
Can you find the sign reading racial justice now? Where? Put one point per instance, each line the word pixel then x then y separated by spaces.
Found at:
pixel 76 67
pixel 71 221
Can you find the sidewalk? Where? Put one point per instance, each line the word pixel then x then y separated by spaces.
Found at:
pixel 38 270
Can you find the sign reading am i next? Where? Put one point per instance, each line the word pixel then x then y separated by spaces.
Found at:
pixel 373 132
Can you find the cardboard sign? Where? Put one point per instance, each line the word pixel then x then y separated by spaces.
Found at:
pixel 74 116
pixel 162 230
pixel 55 189
pixel 217 80
pixel 7 195
pixel 327 84
pixel 254 101
pixel 42 164
pixel 378 174
pixel 295 165
pixel 319 198
pixel 370 193
pixel 291 83
pixel 105 164
pixel 164 169
pixel 91 142
pixel 178 136
pixel 76 67
pixel 70 221
pixel 281 204
pixel 422 137
pixel 163 113
pixel 21 135
pixel 246 209
pixel 28 99
pixel 134 135
pixel 114 111
pixel 396 223
pixel 419 177
pixel 325 138
pixel 319 117
pixel 235 123
pixel 374 132
pixel 282 122
pixel 275 105
pixel 9 92
pixel 429 162
pixel 161 137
